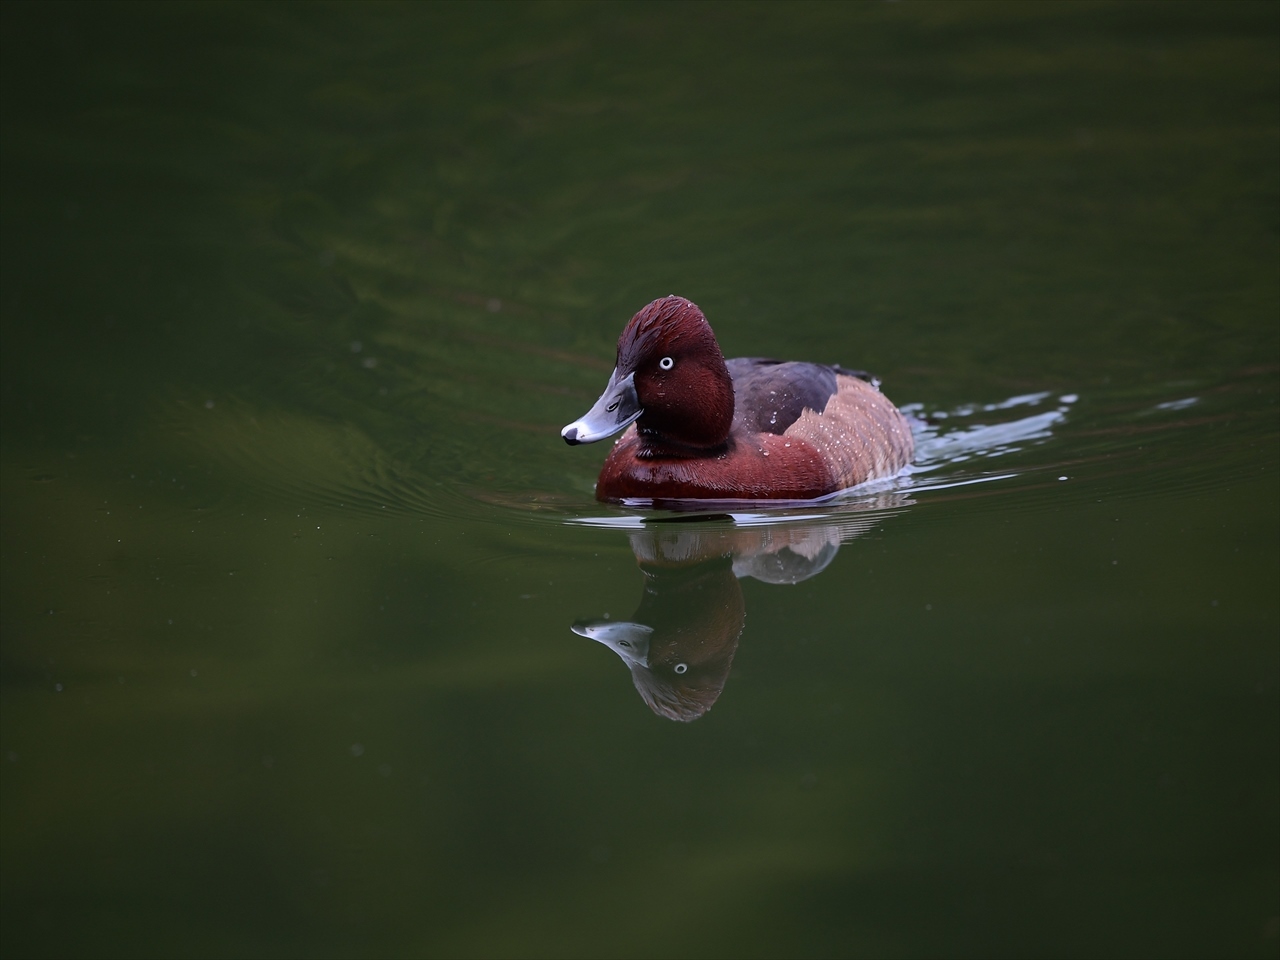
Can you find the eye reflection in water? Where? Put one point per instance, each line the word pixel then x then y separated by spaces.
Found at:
pixel 680 642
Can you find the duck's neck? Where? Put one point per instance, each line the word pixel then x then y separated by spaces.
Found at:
pixel 697 422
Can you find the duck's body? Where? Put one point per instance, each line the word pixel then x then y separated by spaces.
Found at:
pixel 744 429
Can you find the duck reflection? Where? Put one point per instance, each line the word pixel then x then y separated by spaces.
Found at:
pixel 680 642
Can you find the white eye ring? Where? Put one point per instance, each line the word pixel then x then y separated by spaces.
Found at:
pixel 681 667
pixel 666 363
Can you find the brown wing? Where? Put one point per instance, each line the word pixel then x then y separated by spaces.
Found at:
pixel 770 395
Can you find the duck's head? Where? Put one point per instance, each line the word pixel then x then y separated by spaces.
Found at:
pixel 670 380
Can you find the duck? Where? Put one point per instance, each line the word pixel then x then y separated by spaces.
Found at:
pixel 697 427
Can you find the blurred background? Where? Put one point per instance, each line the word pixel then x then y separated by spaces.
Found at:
pixel 294 300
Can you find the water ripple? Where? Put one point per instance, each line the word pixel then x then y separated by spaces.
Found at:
pixel 1189 441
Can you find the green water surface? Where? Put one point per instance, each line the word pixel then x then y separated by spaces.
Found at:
pixel 294 300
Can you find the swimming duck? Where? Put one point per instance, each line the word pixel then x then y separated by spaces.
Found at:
pixel 699 427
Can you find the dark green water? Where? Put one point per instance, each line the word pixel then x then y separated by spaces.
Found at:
pixel 295 300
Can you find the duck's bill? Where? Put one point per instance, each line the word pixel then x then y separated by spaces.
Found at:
pixel 617 407
pixel 630 641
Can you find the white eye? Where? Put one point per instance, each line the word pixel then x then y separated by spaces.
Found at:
pixel 681 667
pixel 666 363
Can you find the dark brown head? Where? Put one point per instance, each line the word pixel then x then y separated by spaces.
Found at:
pixel 680 377
pixel 670 379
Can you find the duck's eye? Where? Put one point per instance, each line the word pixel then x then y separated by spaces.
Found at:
pixel 666 363
pixel 681 667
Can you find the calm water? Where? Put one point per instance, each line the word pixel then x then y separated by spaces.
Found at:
pixel 301 587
